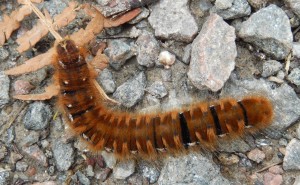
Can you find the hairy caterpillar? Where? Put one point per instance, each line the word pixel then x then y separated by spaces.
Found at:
pixel 147 134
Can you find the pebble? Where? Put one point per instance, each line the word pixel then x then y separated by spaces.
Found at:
pixel 14 157
pixel 90 171
pixel 21 166
pixel 4 90
pixel 157 89
pixel 258 4
pixel 211 65
pixel 269 152
pixel 269 29
pixel 237 145
pixel 294 76
pixel 4 54
pixel 107 81
pixel 166 75
pixel 103 175
pixel 228 159
pixel 296 49
pixel 272 179
pixel 109 159
pixel 37 116
pixel 282 142
pixel 256 155
pixel 223 4
pixel 132 91
pixel 3 151
pixel 276 169
pixel 5 177
pixel 124 169
pixel 22 87
pixel 237 9
pixel 36 153
pixel 187 54
pixel 291 159
pixel 82 178
pixel 191 169
pixel 119 51
pixel 270 67
pixel 167 59
pixel 31 138
pixel 173 20
pixel 149 171
pixel 294 5
pixel 63 154
pixel 144 14
pixel 147 49
pixel 298 131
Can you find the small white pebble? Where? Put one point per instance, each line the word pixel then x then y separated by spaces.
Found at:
pixel 166 58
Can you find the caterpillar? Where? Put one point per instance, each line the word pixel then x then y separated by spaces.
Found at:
pixel 147 134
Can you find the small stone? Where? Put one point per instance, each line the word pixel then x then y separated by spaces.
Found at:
pixel 4 90
pixel 276 169
pixel 228 159
pixel 31 171
pixel 269 29
pixel 280 75
pixel 282 150
pixel 148 49
pixel 90 171
pixel 173 20
pixel 150 172
pixel 132 91
pixel 5 177
pixel 211 65
pixel 166 75
pixel 258 4
pixel 283 142
pixel 3 151
pixel 37 116
pixel 119 51
pixel 298 131
pixel 294 5
pixel 109 159
pixel 107 81
pixel 63 154
pixel 270 178
pixel 269 152
pixel 4 54
pixel 45 143
pixel 14 157
pixel 167 59
pixel 296 49
pixel 103 175
pixel 239 8
pixel 31 138
pixel 82 178
pixel 270 67
pixel 223 4
pixel 157 89
pixel 22 87
pixel 21 166
pixel 294 76
pixel 124 169
pixel 36 153
pixel 151 100
pixel 256 155
pixel 187 54
pixel 291 160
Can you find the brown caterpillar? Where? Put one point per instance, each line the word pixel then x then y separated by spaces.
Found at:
pixel 147 134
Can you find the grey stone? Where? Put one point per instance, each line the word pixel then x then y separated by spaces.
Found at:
pixel 270 67
pixel 291 159
pixel 4 90
pixel 31 138
pixel 109 159
pixel 294 5
pixel 37 116
pixel 89 171
pixel 294 76
pixel 55 7
pixel 239 8
pixel 132 91
pixel 280 75
pixel 119 51
pixel 158 89
pixel 258 4
pixel 63 155
pixel 173 20
pixel 211 65
pixel 223 4
pixel 36 153
pixel 296 49
pixel 124 169
pixel 5 177
pixel 149 171
pixel 4 54
pixel 191 169
pixel 270 30
pixel 187 54
pixel 82 178
pixel 21 166
pixel 147 49
pixel 144 14
pixel 107 81
pixel 284 99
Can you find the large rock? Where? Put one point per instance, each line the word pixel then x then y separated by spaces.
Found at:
pixel 270 30
pixel 213 54
pixel 173 20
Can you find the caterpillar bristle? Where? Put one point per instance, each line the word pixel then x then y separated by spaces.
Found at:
pixel 148 135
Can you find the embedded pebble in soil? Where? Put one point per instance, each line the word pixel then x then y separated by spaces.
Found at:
pixel 269 29
pixel 63 154
pixel 211 65
pixel 21 166
pixel 132 91
pixel 37 116
pixel 124 169
pixel 14 157
pixel 276 169
pixel 157 89
pixel 291 159
pixel 172 20
pixel 31 138
pixel 36 153
pixel 294 76
pixel 235 9
pixel 256 155
pixel 270 67
pixel 107 81
pixel 4 90
pixel 270 178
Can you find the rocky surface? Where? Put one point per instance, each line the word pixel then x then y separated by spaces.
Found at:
pixel 173 54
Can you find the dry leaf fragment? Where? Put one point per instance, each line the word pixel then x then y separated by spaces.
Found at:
pixel 50 91
pixel 108 23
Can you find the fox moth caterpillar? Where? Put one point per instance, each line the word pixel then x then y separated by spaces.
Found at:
pixel 147 134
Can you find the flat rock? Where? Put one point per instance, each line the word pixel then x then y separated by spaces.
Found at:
pixel 132 91
pixel 238 8
pixel 191 169
pixel 269 29
pixel 211 65
pixel 294 76
pixel 147 49
pixel 291 159
pixel 63 154
pixel 124 169
pixel 294 5
pixel 37 116
pixel 107 81
pixel 173 20
pixel 270 67
pixel 4 90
